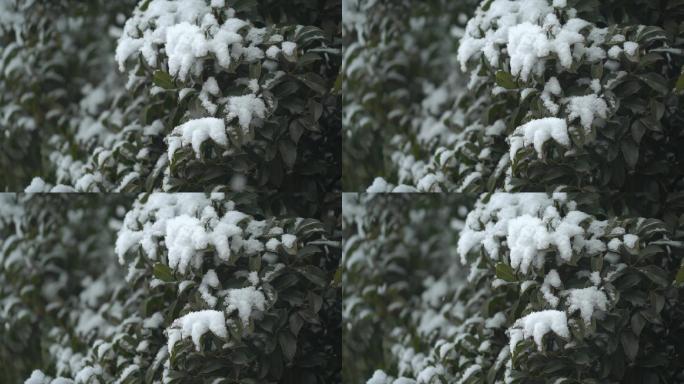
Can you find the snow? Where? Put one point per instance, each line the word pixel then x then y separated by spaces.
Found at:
pixel 552 87
pixel 189 226
pixel 470 371
pixel 289 48
pixel 537 132
pixel 127 372
pixel 526 43
pixel 209 280
pixel 529 30
pixel 210 87
pixel 551 280
pixel 37 377
pixel 499 320
pixel 428 373
pixel 630 47
pixel 379 377
pixel 531 227
pixel 586 300
pixel 614 244
pixel 272 52
pixel 195 325
pixel 272 244
pixel 614 52
pixel 595 278
pixel 37 185
pixel 289 241
pixel 126 180
pixel 86 373
pixel 630 240
pixel 154 321
pixel 184 236
pixel 188 33
pixel 244 300
pixel 196 132
pixel 536 325
pixel 379 186
pixel 586 108
pixel 245 108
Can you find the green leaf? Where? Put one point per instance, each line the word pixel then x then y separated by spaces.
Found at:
pixel 655 81
pixel 314 274
pixel 163 79
pixel 505 79
pixel 679 279
pixel 314 81
pixel 505 272
pixel 163 272
pixel 630 151
pixel 637 323
pixel 679 86
pixel 656 275
pixel 288 151
pixel 288 344
pixel 295 323
pixel 630 344
pixel 638 129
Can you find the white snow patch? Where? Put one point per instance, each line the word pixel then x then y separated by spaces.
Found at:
pixel 537 132
pixel 244 300
pixel 536 325
pixel 196 324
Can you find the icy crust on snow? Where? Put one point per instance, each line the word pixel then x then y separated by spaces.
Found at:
pixel 536 325
pixel 190 227
pixel 194 325
pixel 528 33
pixel 188 32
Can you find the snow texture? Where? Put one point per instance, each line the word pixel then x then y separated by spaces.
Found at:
pixel 190 227
pixel 529 30
pixel 195 133
pixel 586 300
pixel 586 108
pixel 536 325
pixel 537 132
pixel 195 325
pixel 532 226
pixel 245 109
pixel 244 300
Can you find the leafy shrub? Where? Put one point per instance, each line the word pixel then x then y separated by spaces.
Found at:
pixel 234 95
pixel 209 293
pixel 580 94
pixel 553 293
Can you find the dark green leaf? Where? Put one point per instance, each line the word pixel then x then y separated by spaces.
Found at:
pixel 505 80
pixel 163 272
pixel 656 275
pixel 288 344
pixel 505 272
pixel 314 274
pixel 630 344
pixel 163 79
pixel 288 151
